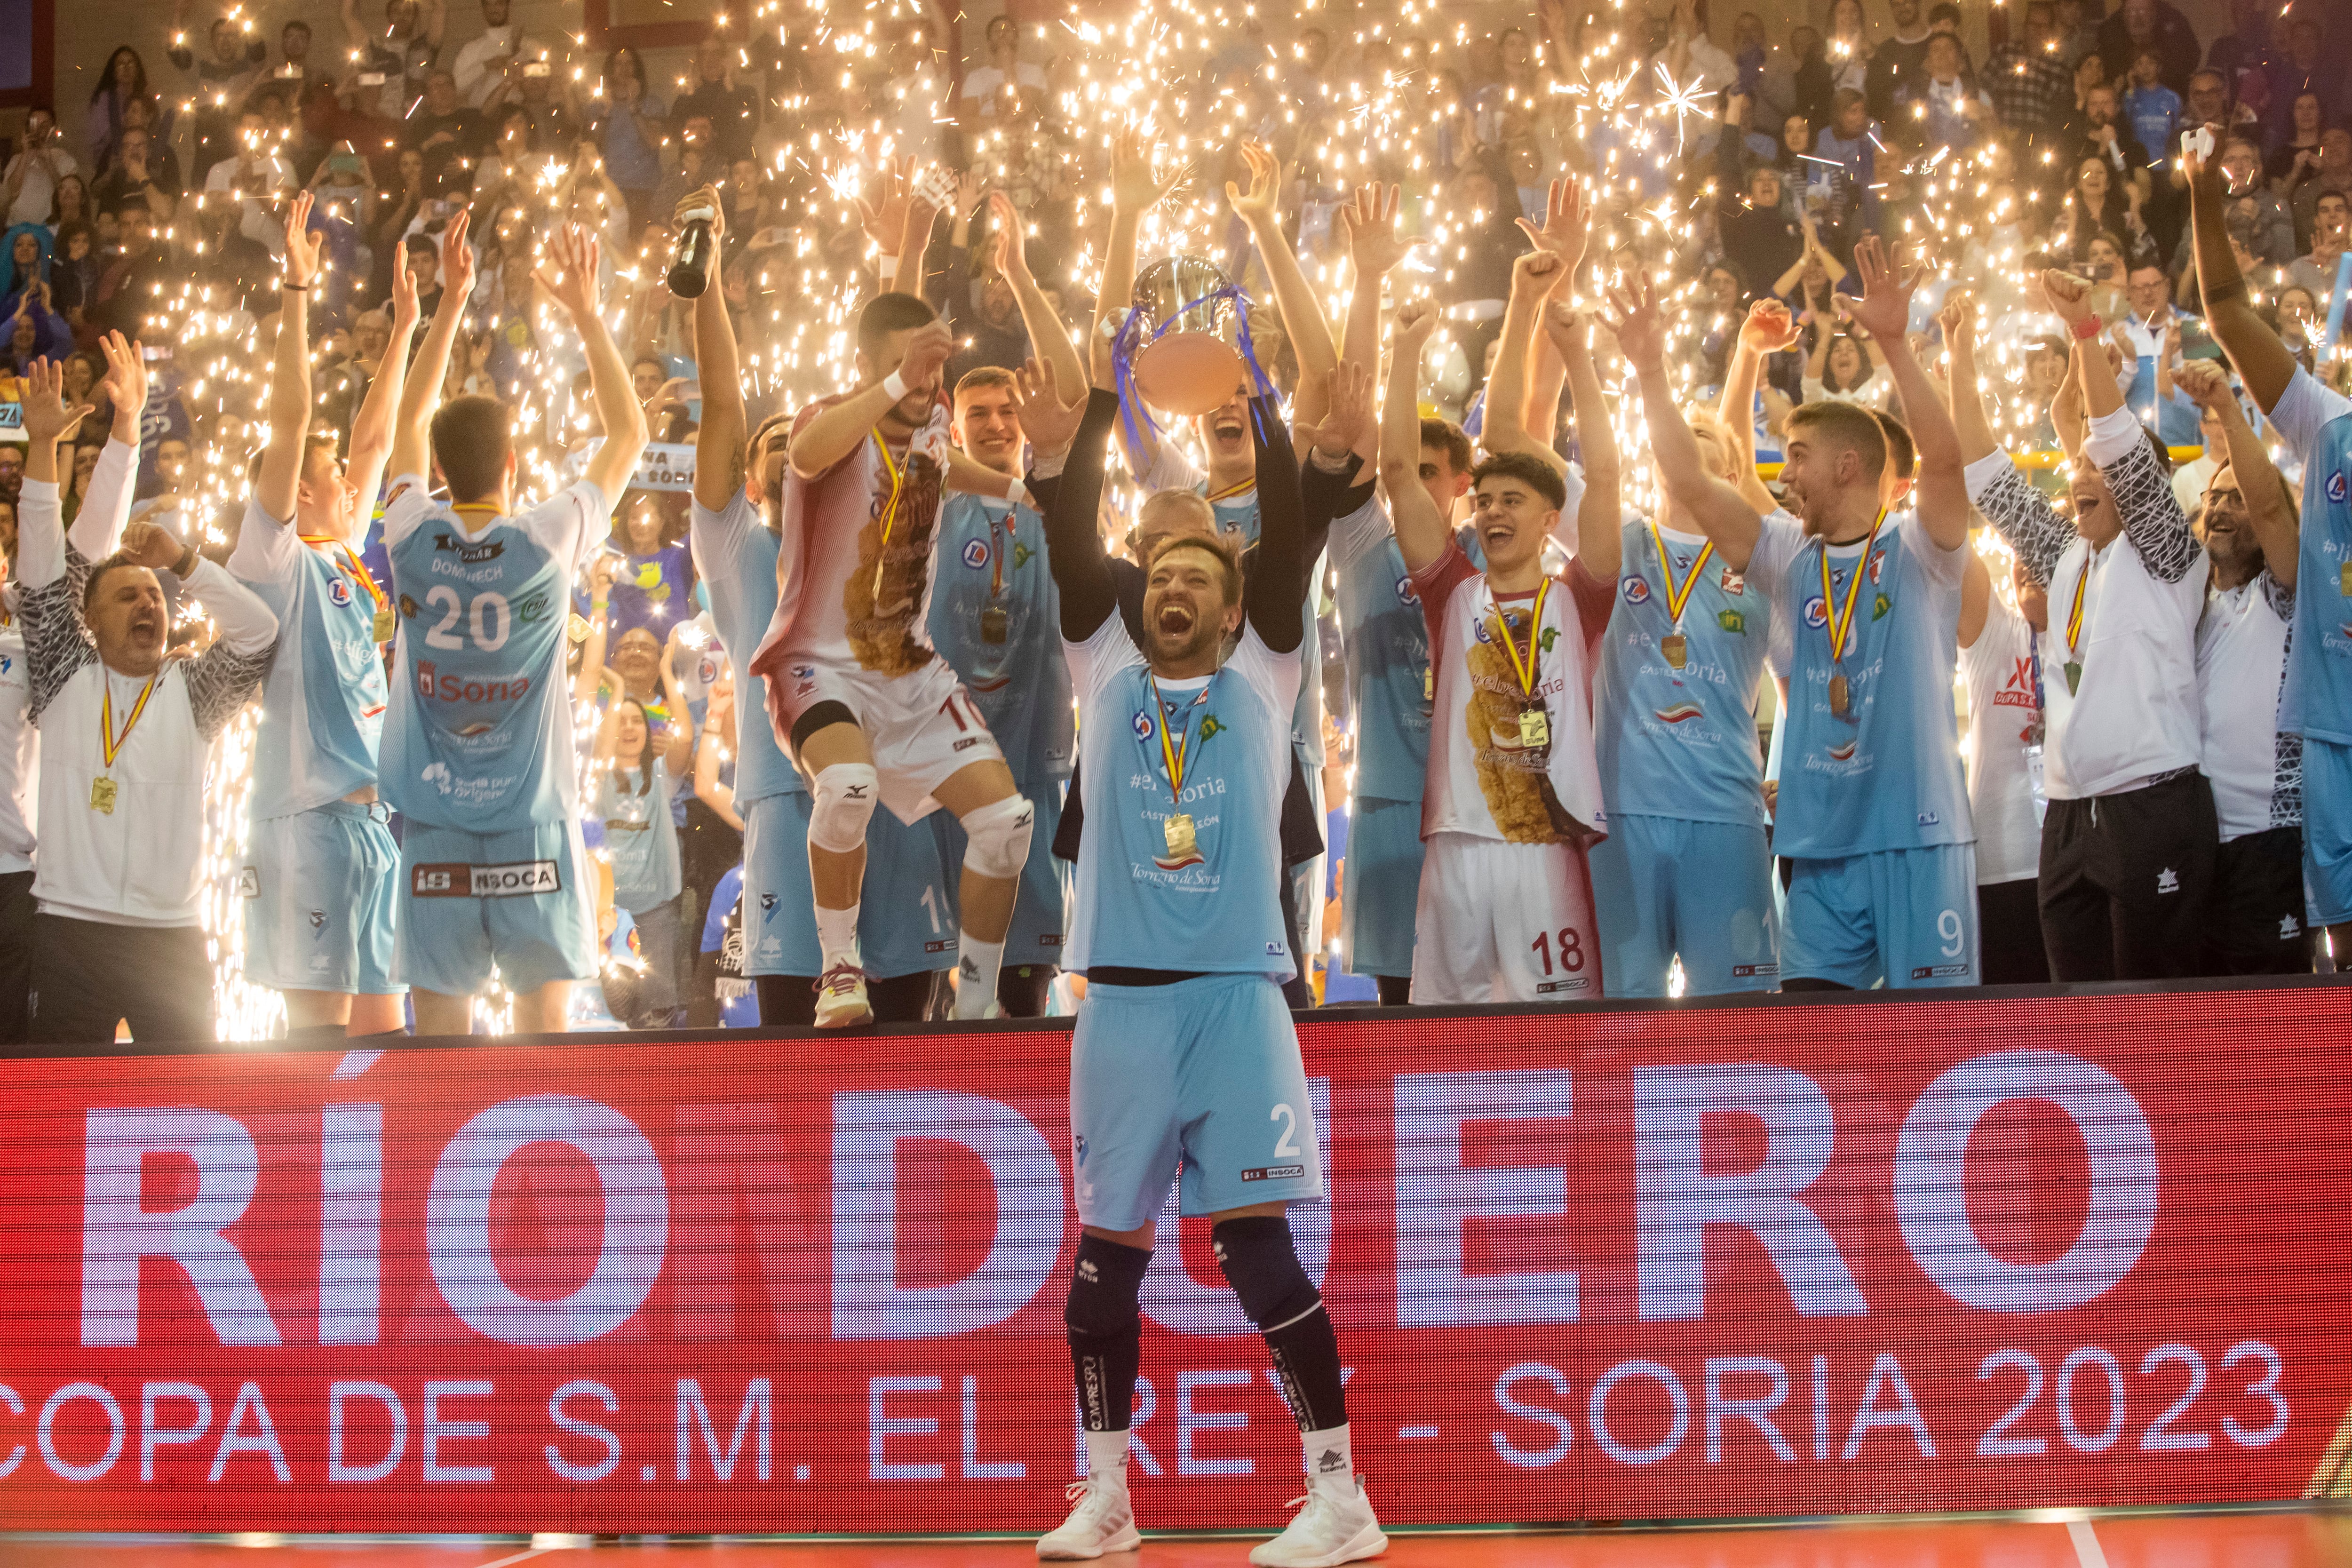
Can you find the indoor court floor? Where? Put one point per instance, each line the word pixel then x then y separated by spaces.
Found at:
pixel 2291 1539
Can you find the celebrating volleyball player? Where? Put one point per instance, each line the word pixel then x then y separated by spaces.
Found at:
pixel 1872 807
pixel 872 712
pixel 1184 1052
pixel 318 879
pixel 478 756
pixel 1513 798
pixel 737 523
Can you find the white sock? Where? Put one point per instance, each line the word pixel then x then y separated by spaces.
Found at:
pixel 1329 1457
pixel 836 935
pixel 1107 1455
pixel 977 968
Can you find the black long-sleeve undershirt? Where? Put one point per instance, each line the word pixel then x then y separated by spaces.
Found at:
pixel 1073 546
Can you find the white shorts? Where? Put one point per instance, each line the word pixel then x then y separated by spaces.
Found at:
pixel 922 727
pixel 1504 922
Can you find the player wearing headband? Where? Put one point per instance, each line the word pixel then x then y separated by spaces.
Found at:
pixel 1872 810
pixel 478 755
pixel 319 875
pixel 1184 1053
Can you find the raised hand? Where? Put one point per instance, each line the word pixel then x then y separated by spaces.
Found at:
pixel 1539 272
pixel 1637 325
pixel 1884 306
pixel 927 351
pixel 1012 256
pixel 302 247
pixel 47 418
pixel 150 546
pixel 1566 228
pixel 2204 382
pixel 1415 320
pixel 2069 296
pixel 704 204
pixel 126 374
pixel 1769 329
pixel 1049 422
pixel 882 212
pixel 404 296
pixel 1348 416
pixel 457 259
pixel 571 252
pixel 1368 224
pixel 1959 319
pixel 1258 206
pixel 1570 329
pixel 1134 187
pixel 970 186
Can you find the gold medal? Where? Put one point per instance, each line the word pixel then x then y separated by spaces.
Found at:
pixel 2344 579
pixel 2074 678
pixel 1839 619
pixel 992 625
pixel 1676 648
pixel 1673 645
pixel 383 624
pixel 1838 694
pixel 1428 684
pixel 1535 729
pixel 102 795
pixel 1183 844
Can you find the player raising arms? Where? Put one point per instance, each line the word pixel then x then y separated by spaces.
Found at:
pixel 1872 807
pixel 1513 799
pixel 319 881
pixel 478 756
pixel 1184 1050
pixel 871 710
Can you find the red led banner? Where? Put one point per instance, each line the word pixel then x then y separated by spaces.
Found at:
pixel 1668 1263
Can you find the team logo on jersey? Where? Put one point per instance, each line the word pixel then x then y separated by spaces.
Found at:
pixel 804 671
pixel 339 594
pixel 1405 592
pixel 1816 613
pixel 1637 590
pixel 1733 583
pixel 6 664
pixel 532 608
pixel 767 906
pixel 318 919
pixel 1878 609
pixel 2338 486
pixel 1842 753
pixel 975 554
pixel 707 671
pixel 1732 621
pixel 249 882
pixel 1877 565
pixel 1142 725
pixel 408 607
pixel 1679 713
pixel 1022 555
pixel 469 555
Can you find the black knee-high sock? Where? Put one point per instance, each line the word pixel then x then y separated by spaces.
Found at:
pixel 1261 1263
pixel 1105 1330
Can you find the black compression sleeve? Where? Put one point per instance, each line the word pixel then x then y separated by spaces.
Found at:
pixel 1073 544
pixel 1277 588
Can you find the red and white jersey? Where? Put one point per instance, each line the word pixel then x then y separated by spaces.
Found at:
pixel 854 567
pixel 1485 778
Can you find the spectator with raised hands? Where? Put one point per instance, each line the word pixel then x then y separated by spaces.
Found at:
pixel 125 731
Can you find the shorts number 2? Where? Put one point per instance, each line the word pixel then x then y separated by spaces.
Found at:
pixel 1286 1146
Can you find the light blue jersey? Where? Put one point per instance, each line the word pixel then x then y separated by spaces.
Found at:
pixel 1388 655
pixel 996 618
pixel 1679 739
pixel 481 735
pixel 639 836
pixel 2316 426
pixel 323 701
pixel 1212 905
pixel 1886 775
pixel 735 556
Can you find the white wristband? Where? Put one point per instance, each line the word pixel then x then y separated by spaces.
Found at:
pixel 886 267
pixel 1018 495
pixel 895 385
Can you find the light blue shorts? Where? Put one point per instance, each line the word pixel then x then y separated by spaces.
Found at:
pixel 521 899
pixel 2327 831
pixel 1662 887
pixel 1041 915
pixel 318 890
pixel 1203 1074
pixel 1379 886
pixel 1907 916
pixel 906 920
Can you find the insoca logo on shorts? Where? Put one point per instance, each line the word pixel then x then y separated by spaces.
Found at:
pixel 454 879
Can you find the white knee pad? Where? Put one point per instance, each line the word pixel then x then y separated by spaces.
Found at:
pixel 999 834
pixel 843 805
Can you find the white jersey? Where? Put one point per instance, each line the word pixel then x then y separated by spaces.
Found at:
pixel 2003 674
pixel 1509 760
pixel 2240 664
pixel 20 747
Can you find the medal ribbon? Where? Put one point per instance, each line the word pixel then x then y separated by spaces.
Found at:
pixel 1173 751
pixel 1230 491
pixel 1676 598
pixel 996 554
pixel 2074 615
pixel 111 742
pixel 1841 624
pixel 357 568
pixel 1525 671
pixel 890 509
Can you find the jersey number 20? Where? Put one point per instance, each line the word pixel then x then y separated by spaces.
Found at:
pixel 487 610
